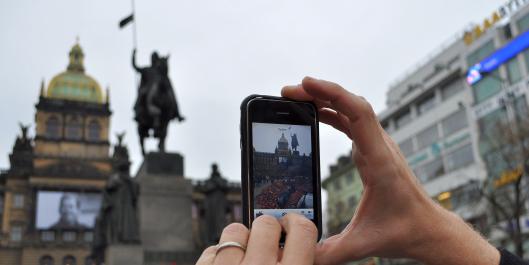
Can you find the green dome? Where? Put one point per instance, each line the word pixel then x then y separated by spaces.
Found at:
pixel 74 84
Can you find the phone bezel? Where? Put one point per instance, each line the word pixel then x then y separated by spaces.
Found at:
pixel 266 110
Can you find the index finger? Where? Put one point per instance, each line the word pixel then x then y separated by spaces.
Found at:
pixel 364 127
pixel 300 244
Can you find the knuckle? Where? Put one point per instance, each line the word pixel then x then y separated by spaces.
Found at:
pixel 235 228
pixel 209 250
pixel 267 221
pixel 366 108
pixel 299 222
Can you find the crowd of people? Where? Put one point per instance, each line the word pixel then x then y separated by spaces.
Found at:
pixel 283 194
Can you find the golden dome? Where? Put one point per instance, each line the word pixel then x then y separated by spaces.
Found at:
pixel 74 84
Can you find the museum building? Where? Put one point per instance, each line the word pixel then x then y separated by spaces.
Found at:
pixel 52 192
pixel 58 174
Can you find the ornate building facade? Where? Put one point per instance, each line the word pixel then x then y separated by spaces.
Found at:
pixel 51 194
pixel 57 174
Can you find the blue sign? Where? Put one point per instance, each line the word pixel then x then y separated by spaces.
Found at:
pixel 491 63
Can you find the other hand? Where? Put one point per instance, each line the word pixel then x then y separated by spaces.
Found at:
pixel 262 243
pixel 395 217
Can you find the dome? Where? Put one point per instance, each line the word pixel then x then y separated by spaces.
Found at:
pixel 283 139
pixel 74 84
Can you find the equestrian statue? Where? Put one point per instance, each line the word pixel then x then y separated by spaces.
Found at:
pixel 156 103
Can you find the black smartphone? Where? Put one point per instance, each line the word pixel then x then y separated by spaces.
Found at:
pixel 280 159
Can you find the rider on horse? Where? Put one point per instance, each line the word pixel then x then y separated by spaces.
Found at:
pixel 156 102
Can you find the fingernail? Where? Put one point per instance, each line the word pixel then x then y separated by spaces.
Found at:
pixel 309 78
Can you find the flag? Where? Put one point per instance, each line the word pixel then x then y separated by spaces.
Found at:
pixel 126 21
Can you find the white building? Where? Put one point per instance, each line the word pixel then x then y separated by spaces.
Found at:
pixel 435 115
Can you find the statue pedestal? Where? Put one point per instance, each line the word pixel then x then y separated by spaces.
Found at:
pixel 165 209
pixel 124 254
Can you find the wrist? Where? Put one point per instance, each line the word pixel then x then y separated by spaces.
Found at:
pixel 453 241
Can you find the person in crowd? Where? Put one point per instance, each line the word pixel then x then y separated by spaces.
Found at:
pixel 395 217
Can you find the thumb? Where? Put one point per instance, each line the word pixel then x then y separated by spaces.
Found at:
pixel 339 249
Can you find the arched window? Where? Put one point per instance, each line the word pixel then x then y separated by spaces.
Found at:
pixel 53 129
pixel 74 129
pixel 46 260
pixel 94 130
pixel 69 260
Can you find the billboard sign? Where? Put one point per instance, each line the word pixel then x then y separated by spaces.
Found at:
pixel 66 210
pixel 495 60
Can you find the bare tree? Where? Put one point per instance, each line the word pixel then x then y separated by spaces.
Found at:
pixel 504 145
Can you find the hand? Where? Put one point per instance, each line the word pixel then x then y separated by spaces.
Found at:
pixel 395 217
pixel 262 243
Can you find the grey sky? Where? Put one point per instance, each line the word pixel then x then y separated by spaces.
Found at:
pixel 221 51
pixel 266 135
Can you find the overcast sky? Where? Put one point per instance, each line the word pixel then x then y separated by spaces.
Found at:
pixel 221 51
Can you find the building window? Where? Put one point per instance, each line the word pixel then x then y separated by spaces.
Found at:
pixel 74 129
pixel 53 128
pixel 453 87
pixel 430 170
pixel 88 236
pixel 337 185
pixel 403 119
pixel 46 260
pixel 467 194
pixel 352 202
pixel 481 53
pixel 487 87
pixel 69 236
pixel 455 122
pixel 18 201
pixel 349 178
pixel 513 71
pixel 16 233
pixel 428 136
pixel 406 147
pixel 94 131
pixel 385 125
pixel 523 24
pixel 69 260
pixel 490 84
pixel 47 236
pixel 340 207
pixel 459 158
pixel 520 107
pixel 426 104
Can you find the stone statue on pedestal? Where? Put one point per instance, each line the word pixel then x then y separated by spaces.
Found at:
pixel 216 205
pixel 117 221
pixel 156 103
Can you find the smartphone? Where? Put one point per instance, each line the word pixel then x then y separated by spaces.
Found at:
pixel 280 159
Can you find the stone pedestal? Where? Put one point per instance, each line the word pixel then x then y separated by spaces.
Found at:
pixel 165 208
pixel 124 254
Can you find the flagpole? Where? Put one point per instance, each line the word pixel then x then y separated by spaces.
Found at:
pixel 134 33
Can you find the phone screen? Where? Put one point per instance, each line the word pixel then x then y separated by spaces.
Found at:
pixel 282 165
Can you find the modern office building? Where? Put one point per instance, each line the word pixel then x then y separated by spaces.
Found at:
pixel 439 112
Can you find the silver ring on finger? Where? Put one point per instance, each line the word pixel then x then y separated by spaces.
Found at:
pixel 230 244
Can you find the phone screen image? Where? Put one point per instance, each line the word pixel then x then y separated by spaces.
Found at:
pixel 282 170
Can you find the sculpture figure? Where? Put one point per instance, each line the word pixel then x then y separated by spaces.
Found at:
pixel 156 103
pixel 117 221
pixel 216 205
